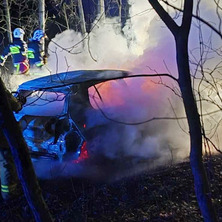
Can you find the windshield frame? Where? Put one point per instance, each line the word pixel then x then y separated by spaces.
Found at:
pixel 26 93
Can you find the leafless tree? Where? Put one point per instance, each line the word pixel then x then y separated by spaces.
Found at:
pixel 8 20
pixel 206 75
pixel 19 149
pixel 82 17
pixel 101 8
pixel 181 35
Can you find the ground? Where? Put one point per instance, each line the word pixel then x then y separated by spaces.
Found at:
pixel 163 194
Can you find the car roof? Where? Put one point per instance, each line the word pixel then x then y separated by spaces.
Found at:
pixel 62 81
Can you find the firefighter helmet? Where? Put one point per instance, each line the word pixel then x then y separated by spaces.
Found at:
pixel 18 33
pixel 38 35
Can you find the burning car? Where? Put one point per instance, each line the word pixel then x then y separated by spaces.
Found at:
pixel 53 118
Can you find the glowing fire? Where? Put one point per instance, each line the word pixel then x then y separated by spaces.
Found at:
pixel 83 153
pixel 109 96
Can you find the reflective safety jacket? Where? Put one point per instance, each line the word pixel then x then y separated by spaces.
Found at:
pixel 18 51
pixel 35 54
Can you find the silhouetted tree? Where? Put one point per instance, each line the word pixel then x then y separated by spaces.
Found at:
pixel 181 35
pixel 24 167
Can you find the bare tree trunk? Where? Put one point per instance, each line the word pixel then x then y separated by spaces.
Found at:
pixel 200 178
pixel 8 21
pixel 42 19
pixel 120 10
pixel 119 22
pixel 23 163
pixel 181 34
pixel 65 15
pixel 82 17
pixel 101 10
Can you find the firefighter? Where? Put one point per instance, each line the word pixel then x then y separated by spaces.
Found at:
pixel 35 53
pixel 9 180
pixel 18 51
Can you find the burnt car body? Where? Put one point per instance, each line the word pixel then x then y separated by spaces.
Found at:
pixel 53 117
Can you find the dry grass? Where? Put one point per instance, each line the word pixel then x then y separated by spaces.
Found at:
pixel 162 195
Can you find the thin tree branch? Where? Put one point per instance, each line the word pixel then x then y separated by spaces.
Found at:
pixel 197 17
pixel 187 16
pixel 170 23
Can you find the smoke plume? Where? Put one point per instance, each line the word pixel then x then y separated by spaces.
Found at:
pixel 144 45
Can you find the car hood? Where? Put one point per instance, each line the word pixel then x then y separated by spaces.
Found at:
pixel 61 80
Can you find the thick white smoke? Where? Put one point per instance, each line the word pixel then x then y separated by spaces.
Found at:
pixel 144 45
pixel 107 47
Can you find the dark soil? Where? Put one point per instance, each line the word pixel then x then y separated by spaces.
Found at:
pixel 164 194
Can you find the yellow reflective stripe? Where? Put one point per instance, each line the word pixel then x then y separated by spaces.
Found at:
pixel 17 66
pixel 31 54
pixel 8 186
pixel 5 190
pixel 2 57
pixel 15 49
pixel 39 63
